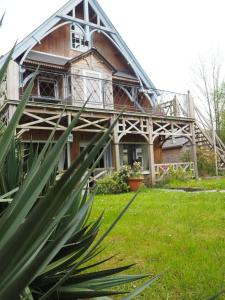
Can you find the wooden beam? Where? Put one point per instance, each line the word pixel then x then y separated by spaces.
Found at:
pixel 86 19
pixel 83 22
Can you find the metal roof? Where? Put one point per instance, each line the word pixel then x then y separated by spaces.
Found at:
pixel 47 58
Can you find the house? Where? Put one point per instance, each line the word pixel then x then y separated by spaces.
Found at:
pixel 81 57
pixel 175 150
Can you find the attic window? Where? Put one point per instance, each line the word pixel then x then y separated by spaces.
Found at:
pixel 78 39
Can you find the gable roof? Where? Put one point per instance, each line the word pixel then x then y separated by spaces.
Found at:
pixel 96 52
pixel 105 26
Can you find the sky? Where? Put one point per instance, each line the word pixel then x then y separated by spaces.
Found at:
pixel 167 37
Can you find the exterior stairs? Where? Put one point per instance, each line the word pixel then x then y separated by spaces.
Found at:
pixel 204 139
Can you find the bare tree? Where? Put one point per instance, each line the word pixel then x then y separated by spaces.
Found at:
pixel 210 85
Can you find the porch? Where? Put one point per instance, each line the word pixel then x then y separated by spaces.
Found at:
pixel 137 136
pixel 66 89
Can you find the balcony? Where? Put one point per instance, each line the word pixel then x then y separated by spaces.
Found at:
pixel 75 90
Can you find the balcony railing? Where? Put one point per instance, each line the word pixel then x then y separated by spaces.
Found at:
pixel 102 93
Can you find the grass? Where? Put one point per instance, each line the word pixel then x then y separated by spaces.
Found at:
pixel 202 184
pixel 179 233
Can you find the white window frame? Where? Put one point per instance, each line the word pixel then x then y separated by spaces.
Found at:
pixel 95 76
pixel 49 80
pixel 80 35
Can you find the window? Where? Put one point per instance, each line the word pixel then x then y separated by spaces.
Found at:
pixel 31 149
pixel 47 88
pixel 78 39
pixel 93 89
pixel 130 153
pixel 105 161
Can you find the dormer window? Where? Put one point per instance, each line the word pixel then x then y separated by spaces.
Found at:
pixel 78 39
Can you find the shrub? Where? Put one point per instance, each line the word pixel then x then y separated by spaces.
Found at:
pixel 206 162
pixel 115 183
pixel 179 174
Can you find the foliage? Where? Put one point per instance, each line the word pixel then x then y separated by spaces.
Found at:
pixel 115 183
pixel 217 183
pixel 135 171
pixel 206 162
pixel 179 173
pixel 178 232
pixel 175 174
pixel 47 242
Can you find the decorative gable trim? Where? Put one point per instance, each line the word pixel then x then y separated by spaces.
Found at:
pixel 104 25
pixel 95 52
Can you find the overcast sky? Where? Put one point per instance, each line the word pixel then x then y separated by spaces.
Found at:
pixel 166 36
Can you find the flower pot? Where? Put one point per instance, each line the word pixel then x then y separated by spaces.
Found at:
pixel 135 183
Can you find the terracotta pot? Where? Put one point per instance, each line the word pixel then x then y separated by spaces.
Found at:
pixel 134 183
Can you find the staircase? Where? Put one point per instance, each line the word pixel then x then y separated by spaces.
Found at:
pixel 203 136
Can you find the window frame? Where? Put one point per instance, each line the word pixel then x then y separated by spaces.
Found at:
pixel 48 80
pixel 95 76
pixel 82 47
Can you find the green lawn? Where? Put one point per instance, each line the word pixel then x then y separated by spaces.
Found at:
pixel 179 233
pixel 203 184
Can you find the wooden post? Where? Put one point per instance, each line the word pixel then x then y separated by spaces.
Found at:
pixel 194 150
pixel 68 144
pixel 151 154
pixel 86 19
pixel 116 145
pixel 191 108
pixel 193 146
pixel 13 81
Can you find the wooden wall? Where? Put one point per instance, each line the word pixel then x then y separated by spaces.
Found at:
pixel 111 53
pixel 58 43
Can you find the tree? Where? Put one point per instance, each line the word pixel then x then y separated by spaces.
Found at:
pixel 210 85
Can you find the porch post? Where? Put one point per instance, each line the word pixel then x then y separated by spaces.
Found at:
pixel 68 144
pixel 194 151
pixel 116 148
pixel 151 154
pixel 193 146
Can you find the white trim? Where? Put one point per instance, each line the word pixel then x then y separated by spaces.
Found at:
pixel 50 54
pixel 78 34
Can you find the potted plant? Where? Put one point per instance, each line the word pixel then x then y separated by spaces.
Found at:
pixel 135 178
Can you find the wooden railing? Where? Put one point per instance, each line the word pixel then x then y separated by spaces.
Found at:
pixel 165 170
pixel 74 89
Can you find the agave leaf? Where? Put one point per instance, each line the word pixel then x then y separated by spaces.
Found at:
pixel 35 222
pixel 217 295
pixel 3 69
pixel 78 293
pixel 105 282
pixel 8 134
pixel 96 275
pixel 68 274
pixel 141 288
pixel 17 275
pixel 32 187
pixel 9 193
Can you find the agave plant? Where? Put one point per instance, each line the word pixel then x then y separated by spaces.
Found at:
pixel 48 245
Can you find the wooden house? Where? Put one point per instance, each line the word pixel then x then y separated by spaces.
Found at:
pixel 81 57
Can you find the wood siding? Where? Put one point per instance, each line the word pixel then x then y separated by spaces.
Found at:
pixel 58 43
pixel 111 53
